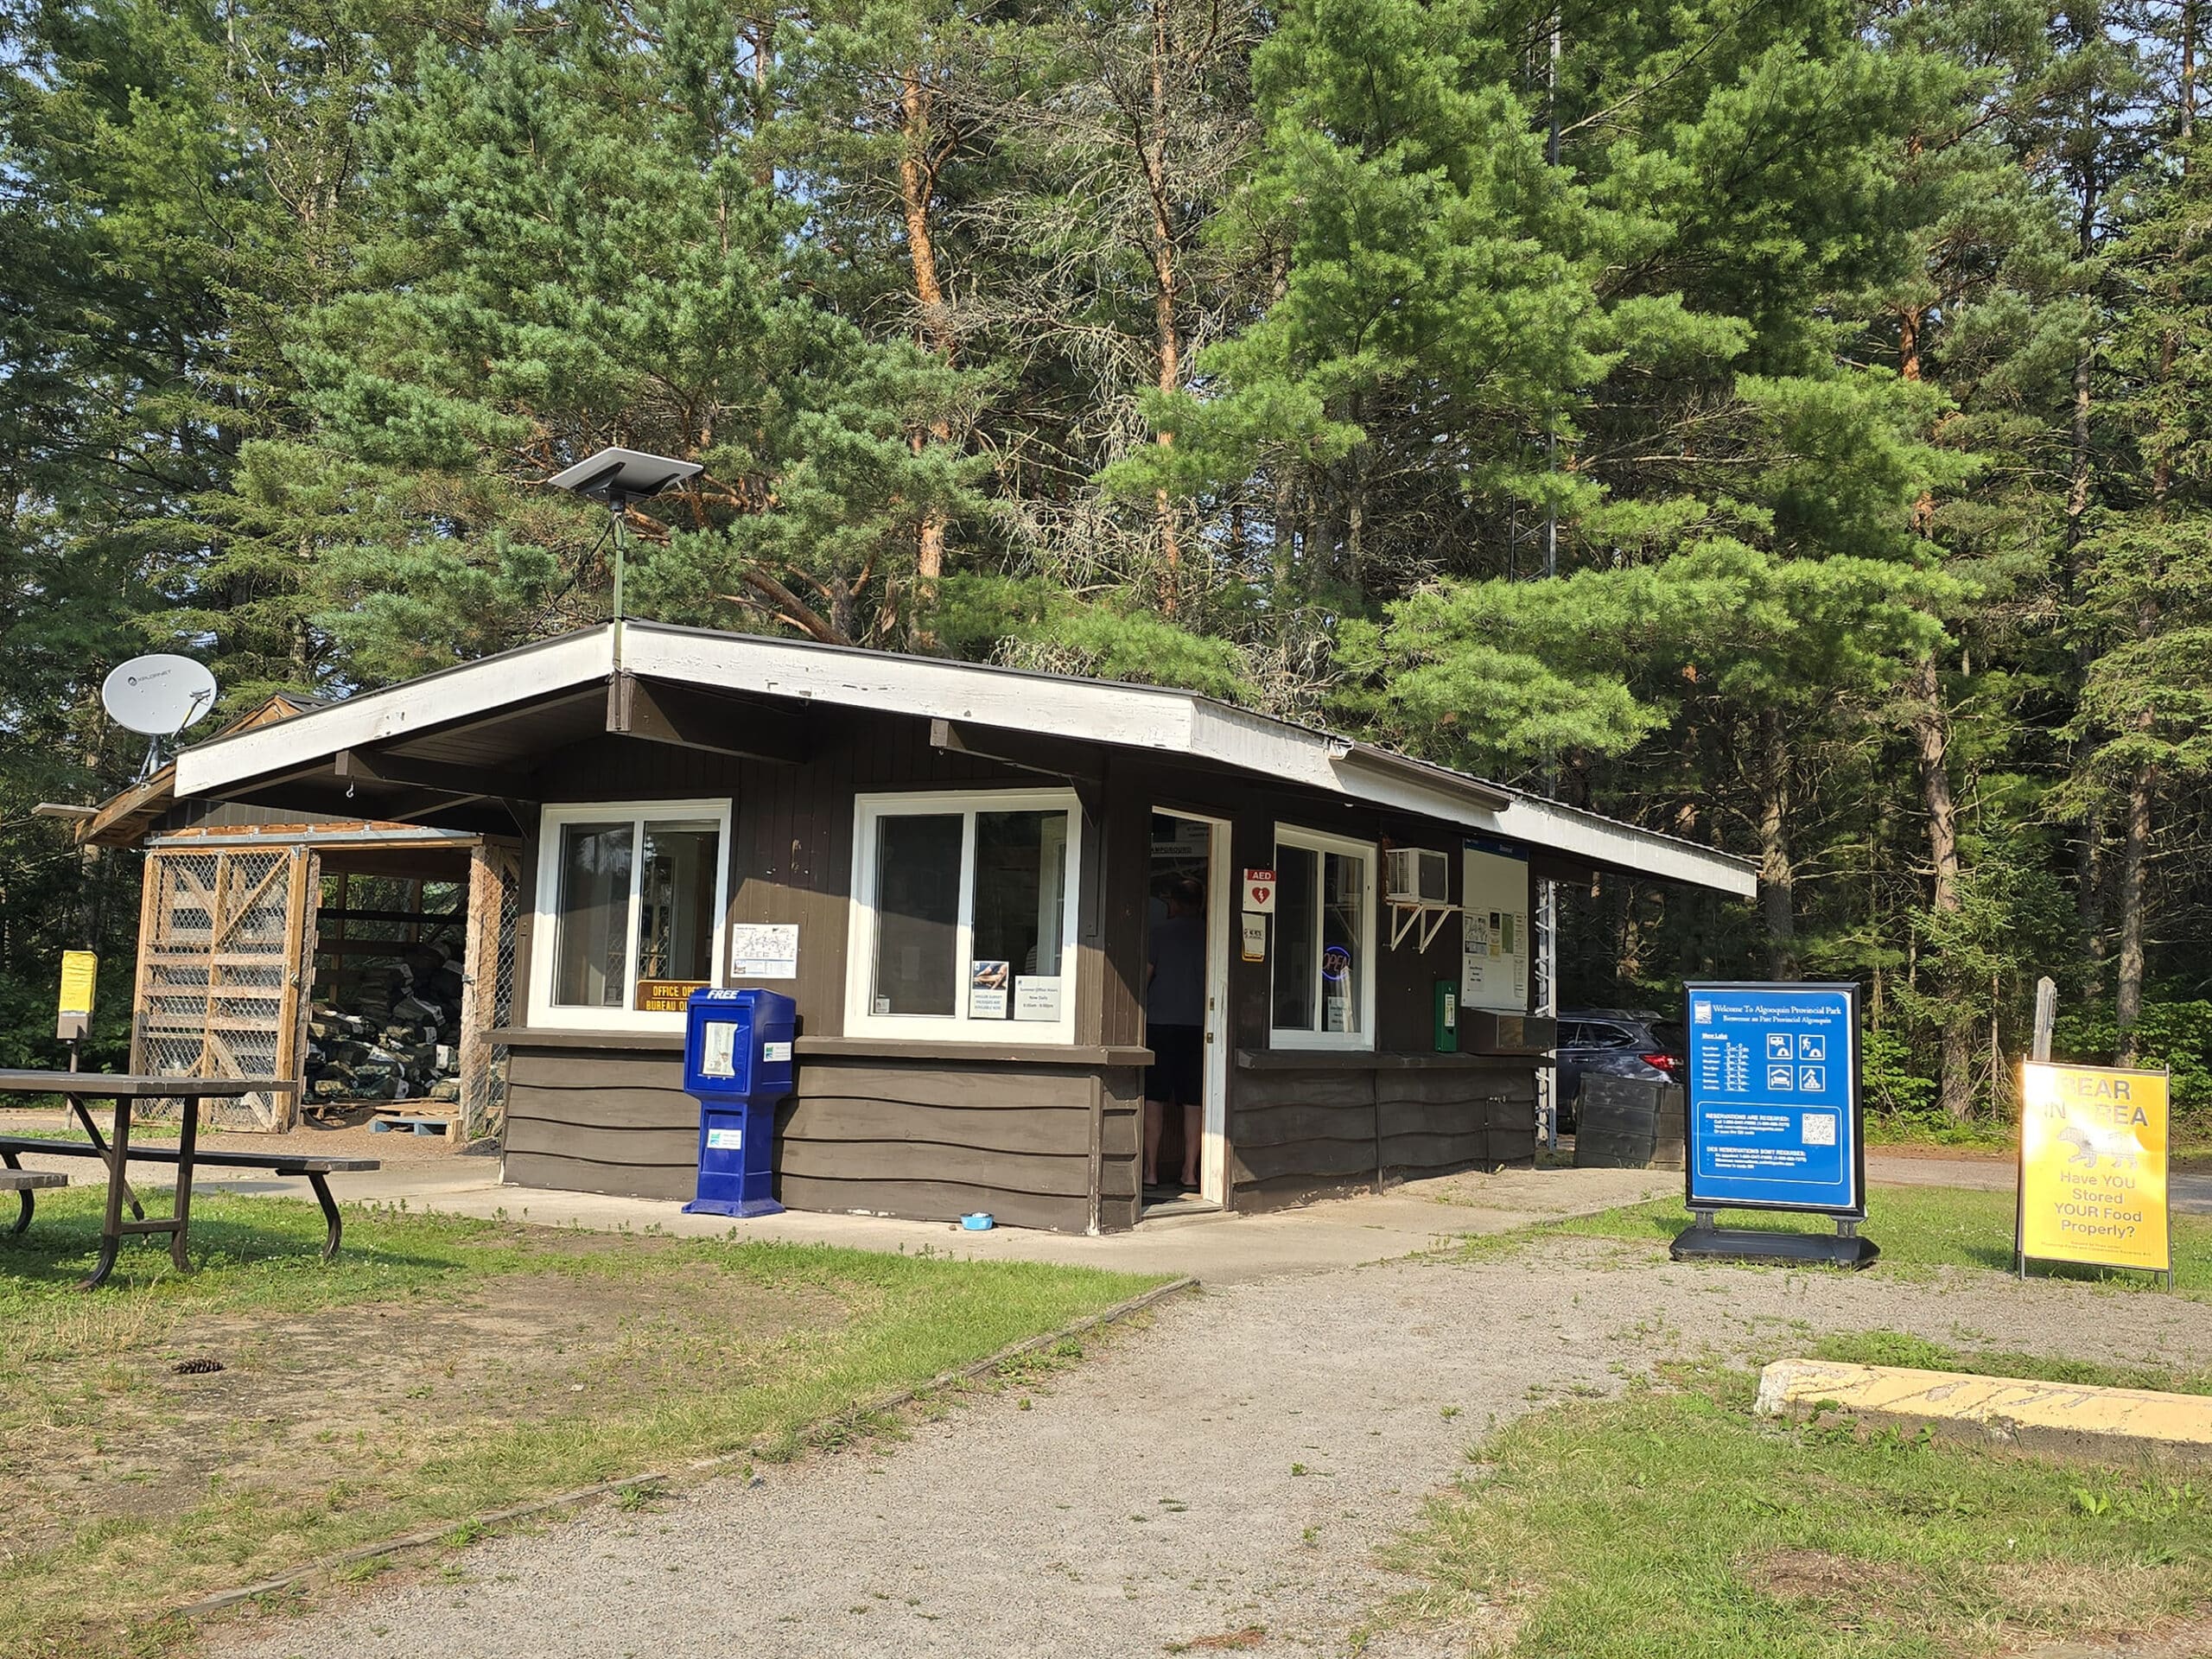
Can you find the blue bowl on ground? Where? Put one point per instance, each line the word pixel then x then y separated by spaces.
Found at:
pixel 980 1222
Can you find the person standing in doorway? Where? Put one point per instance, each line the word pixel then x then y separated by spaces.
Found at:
pixel 1175 1020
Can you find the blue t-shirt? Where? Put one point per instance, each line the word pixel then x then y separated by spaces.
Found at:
pixel 1177 996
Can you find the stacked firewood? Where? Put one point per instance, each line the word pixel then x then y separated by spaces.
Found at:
pixel 399 1040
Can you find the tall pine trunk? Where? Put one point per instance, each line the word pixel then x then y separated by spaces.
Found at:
pixel 1777 877
pixel 1932 737
pixel 917 184
pixel 2134 854
pixel 1164 280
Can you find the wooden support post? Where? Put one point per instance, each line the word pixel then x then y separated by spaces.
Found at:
pixel 304 888
pixel 2046 1016
pixel 479 973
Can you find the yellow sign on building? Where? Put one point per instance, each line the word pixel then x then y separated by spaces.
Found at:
pixel 80 973
pixel 2093 1167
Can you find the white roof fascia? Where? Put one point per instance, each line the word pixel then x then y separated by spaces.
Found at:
pixel 1136 717
pixel 1547 824
pixel 566 663
pixel 1255 743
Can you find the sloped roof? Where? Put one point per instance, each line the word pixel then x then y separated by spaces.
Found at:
pixel 1202 730
pixel 125 817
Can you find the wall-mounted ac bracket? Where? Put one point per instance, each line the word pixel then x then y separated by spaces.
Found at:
pixel 1430 917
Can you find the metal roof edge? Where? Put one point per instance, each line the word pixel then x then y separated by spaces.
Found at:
pixel 564 662
pixel 1108 711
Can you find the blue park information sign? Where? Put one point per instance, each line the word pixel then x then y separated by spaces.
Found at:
pixel 1773 1103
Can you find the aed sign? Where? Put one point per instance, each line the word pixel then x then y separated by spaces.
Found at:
pixel 1260 892
pixel 1773 1118
pixel 2093 1167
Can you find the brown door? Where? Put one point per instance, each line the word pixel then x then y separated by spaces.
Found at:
pixel 224 938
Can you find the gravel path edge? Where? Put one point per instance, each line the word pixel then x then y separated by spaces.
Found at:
pixel 317 1571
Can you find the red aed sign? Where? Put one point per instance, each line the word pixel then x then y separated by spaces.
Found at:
pixel 1260 892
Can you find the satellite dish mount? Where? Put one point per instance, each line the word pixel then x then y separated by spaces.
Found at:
pixel 618 477
pixel 157 695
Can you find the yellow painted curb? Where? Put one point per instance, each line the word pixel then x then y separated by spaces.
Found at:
pixel 2048 1415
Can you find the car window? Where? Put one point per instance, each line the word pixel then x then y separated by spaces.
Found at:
pixel 1571 1035
pixel 1605 1036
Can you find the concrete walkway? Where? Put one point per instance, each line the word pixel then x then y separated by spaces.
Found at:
pixel 1407 1220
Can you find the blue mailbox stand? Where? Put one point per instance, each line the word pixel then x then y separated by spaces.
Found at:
pixel 737 1064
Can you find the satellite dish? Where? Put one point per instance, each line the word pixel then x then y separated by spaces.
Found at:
pixel 158 696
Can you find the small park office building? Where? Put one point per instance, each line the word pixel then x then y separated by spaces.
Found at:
pixel 955 869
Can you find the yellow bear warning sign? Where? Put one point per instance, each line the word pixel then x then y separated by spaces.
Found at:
pixel 2093 1167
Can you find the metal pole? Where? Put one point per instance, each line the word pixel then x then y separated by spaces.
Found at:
pixel 1548 1004
pixel 622 537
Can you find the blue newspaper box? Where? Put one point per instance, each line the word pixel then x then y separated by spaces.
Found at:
pixel 737 1064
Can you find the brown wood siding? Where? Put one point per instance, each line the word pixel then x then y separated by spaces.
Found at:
pixel 930 1139
pixel 1297 1132
pixel 585 1120
pixel 1121 1143
pixel 934 1140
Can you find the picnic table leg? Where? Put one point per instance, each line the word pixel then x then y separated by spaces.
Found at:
pixel 112 1227
pixel 23 1219
pixel 188 1142
pixel 337 1227
pixel 84 1116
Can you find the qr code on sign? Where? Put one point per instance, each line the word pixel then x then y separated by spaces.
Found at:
pixel 1819 1128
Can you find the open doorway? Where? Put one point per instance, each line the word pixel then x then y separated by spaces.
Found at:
pixel 1185 1165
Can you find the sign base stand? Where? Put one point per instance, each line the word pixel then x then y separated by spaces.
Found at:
pixel 1703 1242
pixel 746 1209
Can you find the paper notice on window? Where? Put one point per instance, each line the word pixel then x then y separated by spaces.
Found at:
pixel 1037 997
pixel 1255 937
pixel 986 989
pixel 764 951
pixel 718 1058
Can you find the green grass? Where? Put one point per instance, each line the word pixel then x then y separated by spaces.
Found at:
pixel 440 1368
pixel 1919 1130
pixel 1673 1522
pixel 1918 1353
pixel 1919 1229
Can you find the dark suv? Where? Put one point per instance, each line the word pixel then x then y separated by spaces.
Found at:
pixel 1617 1043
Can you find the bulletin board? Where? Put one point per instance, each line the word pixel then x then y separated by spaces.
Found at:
pixel 1494 942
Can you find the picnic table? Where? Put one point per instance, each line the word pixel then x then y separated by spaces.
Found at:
pixel 125 1090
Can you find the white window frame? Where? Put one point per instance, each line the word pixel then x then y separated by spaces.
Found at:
pixel 860 1019
pixel 1318 842
pixel 546 924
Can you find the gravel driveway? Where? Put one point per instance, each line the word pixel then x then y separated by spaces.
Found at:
pixel 1232 1466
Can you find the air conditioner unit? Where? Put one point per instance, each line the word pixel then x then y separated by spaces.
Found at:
pixel 1415 875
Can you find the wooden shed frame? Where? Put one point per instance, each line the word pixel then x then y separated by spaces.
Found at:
pixel 228 936
pixel 800 739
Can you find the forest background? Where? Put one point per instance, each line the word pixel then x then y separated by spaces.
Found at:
pixel 1783 424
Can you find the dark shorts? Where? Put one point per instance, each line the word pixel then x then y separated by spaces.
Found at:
pixel 1176 1075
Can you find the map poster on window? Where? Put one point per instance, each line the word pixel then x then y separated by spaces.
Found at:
pixel 764 951
pixel 666 995
pixel 1494 929
pixel 987 990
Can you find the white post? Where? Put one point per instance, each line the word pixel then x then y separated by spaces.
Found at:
pixel 1546 970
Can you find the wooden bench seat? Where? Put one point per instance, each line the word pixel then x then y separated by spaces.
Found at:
pixel 315 1166
pixel 24 1182
pixel 284 1163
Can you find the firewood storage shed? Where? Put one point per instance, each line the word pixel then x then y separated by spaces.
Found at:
pixel 964 875
pixel 371 958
